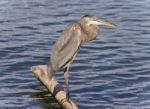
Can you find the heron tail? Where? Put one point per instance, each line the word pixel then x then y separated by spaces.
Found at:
pixel 50 72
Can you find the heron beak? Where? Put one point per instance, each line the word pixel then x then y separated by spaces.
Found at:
pixel 108 24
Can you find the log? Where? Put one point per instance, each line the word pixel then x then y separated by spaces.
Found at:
pixel 40 71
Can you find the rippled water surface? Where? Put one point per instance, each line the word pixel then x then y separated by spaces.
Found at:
pixel 111 72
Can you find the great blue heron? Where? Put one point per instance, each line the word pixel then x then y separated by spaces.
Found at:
pixel 69 43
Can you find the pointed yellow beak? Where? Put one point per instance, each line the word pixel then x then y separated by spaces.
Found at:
pixel 108 24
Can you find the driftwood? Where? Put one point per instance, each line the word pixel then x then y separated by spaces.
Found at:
pixel 53 86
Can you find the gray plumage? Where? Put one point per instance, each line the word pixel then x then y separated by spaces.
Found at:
pixel 70 41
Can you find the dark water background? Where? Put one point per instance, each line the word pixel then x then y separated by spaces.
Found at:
pixel 112 72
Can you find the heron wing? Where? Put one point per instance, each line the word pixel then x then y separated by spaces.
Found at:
pixel 66 46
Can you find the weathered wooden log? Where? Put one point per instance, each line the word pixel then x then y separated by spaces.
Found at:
pixel 53 86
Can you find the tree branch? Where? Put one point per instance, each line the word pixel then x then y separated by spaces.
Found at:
pixel 53 86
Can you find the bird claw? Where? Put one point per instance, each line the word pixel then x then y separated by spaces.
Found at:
pixel 69 101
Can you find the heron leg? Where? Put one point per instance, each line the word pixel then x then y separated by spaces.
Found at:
pixel 66 76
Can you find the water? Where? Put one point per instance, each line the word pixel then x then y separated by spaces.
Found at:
pixel 112 72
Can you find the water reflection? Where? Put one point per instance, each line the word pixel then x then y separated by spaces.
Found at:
pixel 45 99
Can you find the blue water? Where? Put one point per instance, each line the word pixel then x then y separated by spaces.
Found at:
pixel 111 72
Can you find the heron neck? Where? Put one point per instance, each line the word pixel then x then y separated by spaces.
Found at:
pixel 89 32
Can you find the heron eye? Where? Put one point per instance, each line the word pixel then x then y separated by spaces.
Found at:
pixel 91 24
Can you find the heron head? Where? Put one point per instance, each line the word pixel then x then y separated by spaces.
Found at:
pixel 92 20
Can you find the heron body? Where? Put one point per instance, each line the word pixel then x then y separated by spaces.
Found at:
pixel 69 43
